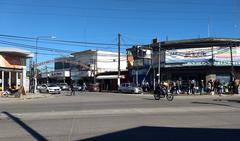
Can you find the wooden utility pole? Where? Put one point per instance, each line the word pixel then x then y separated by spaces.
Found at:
pixel 119 71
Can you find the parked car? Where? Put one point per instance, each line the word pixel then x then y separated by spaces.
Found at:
pixel 51 88
pixel 64 86
pixel 129 88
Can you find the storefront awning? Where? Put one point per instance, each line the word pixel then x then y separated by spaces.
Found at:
pixel 110 77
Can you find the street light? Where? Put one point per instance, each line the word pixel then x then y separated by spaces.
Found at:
pixel 36 61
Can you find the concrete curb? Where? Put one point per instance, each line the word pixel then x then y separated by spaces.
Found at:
pixel 29 96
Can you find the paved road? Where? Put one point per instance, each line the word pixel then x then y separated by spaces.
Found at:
pixel 99 116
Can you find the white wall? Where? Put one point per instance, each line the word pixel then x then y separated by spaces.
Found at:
pixel 108 61
pixel 105 61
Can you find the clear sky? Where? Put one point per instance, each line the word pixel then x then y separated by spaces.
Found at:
pixel 138 21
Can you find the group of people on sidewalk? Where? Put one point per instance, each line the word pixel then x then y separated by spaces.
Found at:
pixel 198 87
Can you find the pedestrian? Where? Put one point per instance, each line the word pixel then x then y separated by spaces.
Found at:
pixel 72 89
pixel 192 86
pixel 84 87
pixel 201 87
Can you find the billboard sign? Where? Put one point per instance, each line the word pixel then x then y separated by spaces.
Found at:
pixel 188 57
pixel 222 56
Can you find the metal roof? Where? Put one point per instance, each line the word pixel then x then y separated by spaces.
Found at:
pixel 198 42
pixel 16 51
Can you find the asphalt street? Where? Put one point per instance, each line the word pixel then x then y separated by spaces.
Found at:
pixel 109 116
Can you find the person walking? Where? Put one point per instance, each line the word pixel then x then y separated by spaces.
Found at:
pixel 72 89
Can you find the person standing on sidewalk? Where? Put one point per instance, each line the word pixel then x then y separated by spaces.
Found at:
pixel 72 89
pixel 201 87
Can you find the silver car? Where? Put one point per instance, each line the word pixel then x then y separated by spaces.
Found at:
pixel 129 88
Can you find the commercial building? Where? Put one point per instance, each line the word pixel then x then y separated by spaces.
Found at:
pixel 13 68
pixel 89 66
pixel 192 59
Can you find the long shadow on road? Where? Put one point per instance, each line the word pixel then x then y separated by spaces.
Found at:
pixel 146 133
pixel 31 131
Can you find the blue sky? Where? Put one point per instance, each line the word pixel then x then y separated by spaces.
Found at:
pixel 138 21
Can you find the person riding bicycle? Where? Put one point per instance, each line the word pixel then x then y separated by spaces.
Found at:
pixel 161 88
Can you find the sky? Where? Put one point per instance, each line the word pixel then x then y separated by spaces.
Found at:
pixel 99 21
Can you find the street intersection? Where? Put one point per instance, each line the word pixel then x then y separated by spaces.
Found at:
pixel 113 116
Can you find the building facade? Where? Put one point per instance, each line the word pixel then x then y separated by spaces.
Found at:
pixel 13 68
pixel 86 66
pixel 202 59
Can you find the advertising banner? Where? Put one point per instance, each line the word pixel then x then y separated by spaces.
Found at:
pixel 236 56
pixel 189 57
pixel 222 56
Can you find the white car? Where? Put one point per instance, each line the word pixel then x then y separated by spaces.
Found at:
pixel 52 89
pixel 129 88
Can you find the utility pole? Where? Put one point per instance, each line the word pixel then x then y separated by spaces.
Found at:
pixel 119 71
pixel 31 74
pixel 94 61
pixel 137 58
pixel 208 27
pixel 63 63
pixel 232 67
pixel 159 62
pixel 46 69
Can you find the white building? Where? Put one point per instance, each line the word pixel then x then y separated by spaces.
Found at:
pixel 85 65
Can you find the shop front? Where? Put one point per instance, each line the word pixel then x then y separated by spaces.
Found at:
pixel 13 68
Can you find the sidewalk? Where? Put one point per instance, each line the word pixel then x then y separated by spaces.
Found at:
pixel 28 96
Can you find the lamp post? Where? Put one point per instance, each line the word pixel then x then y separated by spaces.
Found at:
pixel 36 58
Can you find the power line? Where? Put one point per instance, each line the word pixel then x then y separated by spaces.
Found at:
pixel 34 47
pixel 47 49
pixel 66 41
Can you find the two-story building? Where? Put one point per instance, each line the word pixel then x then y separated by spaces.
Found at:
pixel 89 66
